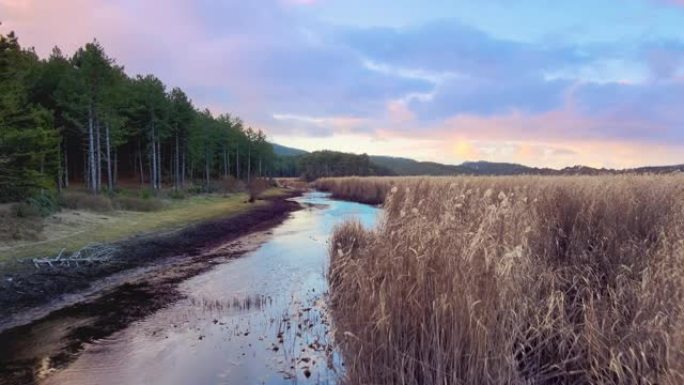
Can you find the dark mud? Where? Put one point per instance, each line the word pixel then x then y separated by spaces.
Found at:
pixel 169 259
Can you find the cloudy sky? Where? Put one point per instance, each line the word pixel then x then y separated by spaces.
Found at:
pixel 539 82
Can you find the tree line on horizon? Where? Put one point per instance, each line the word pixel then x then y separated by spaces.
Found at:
pixel 326 163
pixel 82 119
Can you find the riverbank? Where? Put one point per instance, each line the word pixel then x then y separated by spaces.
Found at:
pixel 73 229
pixel 28 293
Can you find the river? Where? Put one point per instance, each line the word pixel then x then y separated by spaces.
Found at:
pixel 258 319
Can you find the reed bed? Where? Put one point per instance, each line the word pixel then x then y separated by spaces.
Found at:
pixel 512 280
pixel 370 190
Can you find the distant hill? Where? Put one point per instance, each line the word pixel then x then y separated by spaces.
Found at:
pixel 281 150
pixel 384 165
pixel 405 166
pixel 495 168
pixel 584 170
pixel 660 169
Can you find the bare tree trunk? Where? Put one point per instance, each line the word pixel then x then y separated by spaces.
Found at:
pixel 66 166
pixel 86 170
pixel 140 163
pixel 176 171
pixel 91 152
pixel 153 161
pixel 225 162
pixel 206 170
pixel 192 171
pixel 148 159
pixel 237 161
pixel 183 168
pixel 98 157
pixel 159 163
pixel 174 161
pixel 153 165
pixel 249 162
pixel 260 167
pixel 110 182
pixel 60 172
pixel 116 167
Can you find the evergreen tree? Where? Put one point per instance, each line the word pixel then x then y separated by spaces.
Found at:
pixel 94 77
pixel 151 114
pixel 181 116
pixel 28 141
pixel 65 119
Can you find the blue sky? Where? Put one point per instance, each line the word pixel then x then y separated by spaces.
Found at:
pixel 544 83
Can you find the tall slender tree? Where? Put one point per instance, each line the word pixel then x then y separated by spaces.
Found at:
pixel 95 76
pixel 181 115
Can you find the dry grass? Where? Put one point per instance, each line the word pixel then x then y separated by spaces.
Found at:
pixel 14 227
pixel 72 229
pixel 292 183
pixel 137 204
pixel 513 280
pixel 371 190
pixel 256 187
pixel 78 200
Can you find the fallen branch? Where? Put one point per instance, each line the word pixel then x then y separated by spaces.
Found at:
pixel 90 254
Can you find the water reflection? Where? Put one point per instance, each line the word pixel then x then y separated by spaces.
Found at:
pixel 260 319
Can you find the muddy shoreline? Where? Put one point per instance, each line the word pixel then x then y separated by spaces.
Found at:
pixel 143 279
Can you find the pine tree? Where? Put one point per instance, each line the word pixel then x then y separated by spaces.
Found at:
pixel 151 113
pixel 64 119
pixel 181 115
pixel 94 77
pixel 28 141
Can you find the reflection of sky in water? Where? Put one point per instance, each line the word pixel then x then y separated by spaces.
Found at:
pixel 259 319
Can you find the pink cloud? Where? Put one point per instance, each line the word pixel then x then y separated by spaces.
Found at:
pixel 127 33
pixel 557 138
pixel 398 112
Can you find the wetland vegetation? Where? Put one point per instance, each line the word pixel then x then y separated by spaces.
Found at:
pixel 512 280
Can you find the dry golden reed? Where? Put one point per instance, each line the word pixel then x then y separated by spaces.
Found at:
pixel 371 190
pixel 512 280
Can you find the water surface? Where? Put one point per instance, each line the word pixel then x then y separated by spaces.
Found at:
pixel 259 319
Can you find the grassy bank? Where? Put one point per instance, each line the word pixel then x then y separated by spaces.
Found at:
pixel 73 229
pixel 513 280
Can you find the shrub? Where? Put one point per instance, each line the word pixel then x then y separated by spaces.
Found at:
pixel 45 202
pixel 25 210
pixel 194 190
pixel 85 201
pixel 41 204
pixel 146 194
pixel 177 194
pixel 256 187
pixel 514 280
pixel 226 185
pixel 13 228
